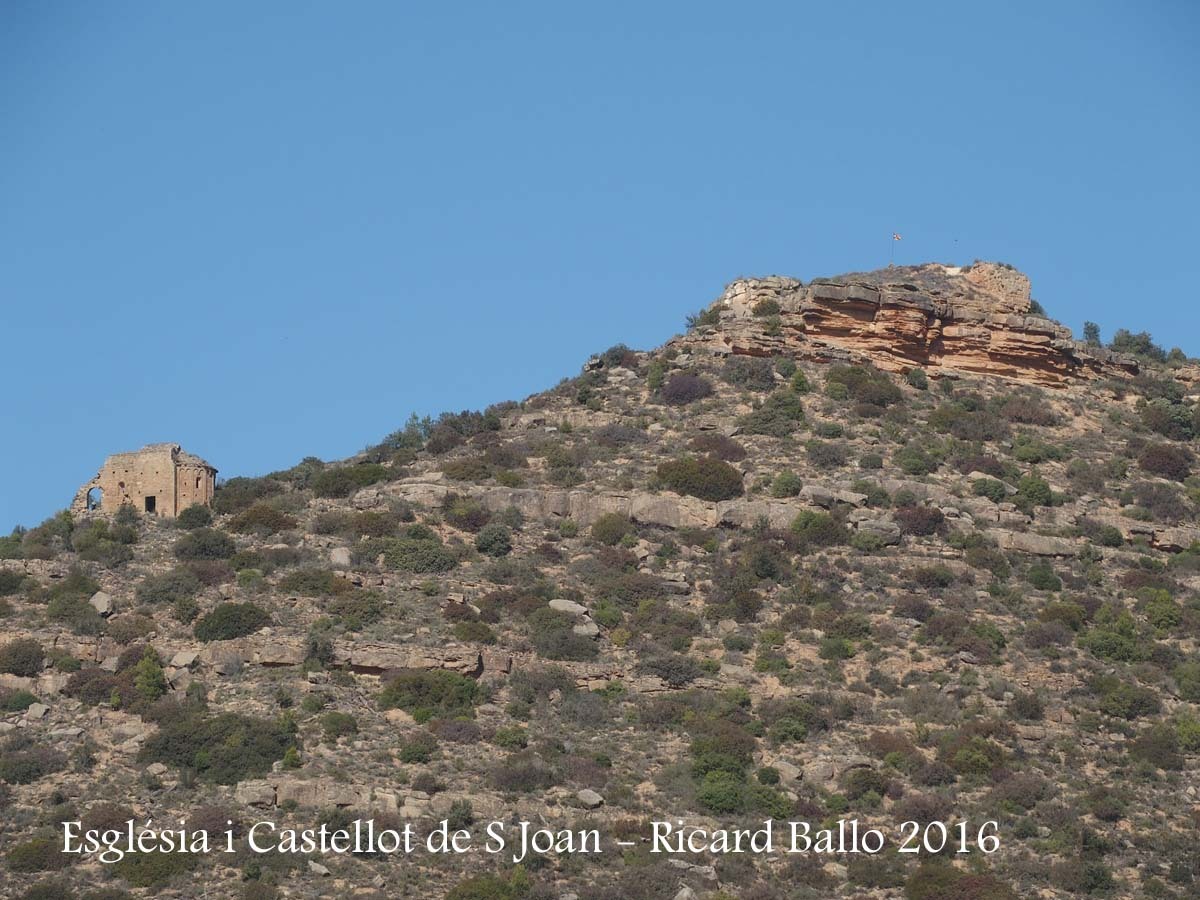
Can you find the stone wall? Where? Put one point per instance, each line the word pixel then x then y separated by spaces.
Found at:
pixel 159 479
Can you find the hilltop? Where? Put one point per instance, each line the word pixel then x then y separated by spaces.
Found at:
pixel 887 546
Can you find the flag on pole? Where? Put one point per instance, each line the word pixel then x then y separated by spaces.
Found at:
pixel 895 236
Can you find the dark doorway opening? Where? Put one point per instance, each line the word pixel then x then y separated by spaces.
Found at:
pixel 150 504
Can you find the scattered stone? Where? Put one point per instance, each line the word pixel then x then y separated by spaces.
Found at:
pixel 37 711
pixel 590 799
pixel 587 629
pixel 568 606
pixel 102 603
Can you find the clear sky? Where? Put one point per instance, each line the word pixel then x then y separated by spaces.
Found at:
pixel 274 229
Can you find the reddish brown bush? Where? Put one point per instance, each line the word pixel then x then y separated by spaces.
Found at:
pixel 1166 460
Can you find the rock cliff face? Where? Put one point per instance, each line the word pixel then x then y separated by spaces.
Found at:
pixel 977 319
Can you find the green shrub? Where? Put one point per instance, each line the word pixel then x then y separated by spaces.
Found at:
pixel 261 518
pixel 917 379
pixel 913 460
pixel 336 724
pixel 225 749
pixel 786 484
pixel 703 477
pixel 419 555
pixel 1029 449
pixel 722 793
pixel 553 637
pixel 344 481
pixel 706 318
pixel 194 517
pixel 23 656
pixel 150 870
pixel 818 529
pixel 941 881
pixel 826 455
pixel 935 576
pixel 38 855
pixel 231 620
pixel 314 582
pixel 426 694
pixel 420 748
pixel 474 632
pixel 205 543
pixel 75 612
pixel 1026 706
pixel 863 384
pixel 15 700
pixel 1158 746
pixel 356 609
pixel 1122 700
pixel 1034 490
pixel 464 513
pixel 10 582
pixel 470 469
pixel 750 372
pixel 149 680
pixel 61 890
pixel 27 765
pixel 1140 344
pixel 779 415
pixel 1041 576
pixel 236 494
pixel 98 542
pixel 494 539
pixel 610 528
pixel 675 669
pixel 991 488
pixel 835 648
pixel 867 542
pixel 492 887
pixel 169 587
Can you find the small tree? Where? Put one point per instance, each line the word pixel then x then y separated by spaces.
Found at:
pixel 148 677
pixel 1091 334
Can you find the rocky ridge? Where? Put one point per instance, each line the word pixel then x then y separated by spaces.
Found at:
pixel 948 320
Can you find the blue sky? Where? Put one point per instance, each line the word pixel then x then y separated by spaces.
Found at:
pixel 273 230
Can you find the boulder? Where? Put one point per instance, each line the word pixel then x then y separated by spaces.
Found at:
pixel 102 603
pixel 1037 544
pixel 560 604
pixel 339 557
pixel 36 711
pixel 884 529
pixel 827 771
pixel 589 799
pixel 255 793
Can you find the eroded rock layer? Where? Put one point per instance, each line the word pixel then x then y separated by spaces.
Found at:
pixel 978 319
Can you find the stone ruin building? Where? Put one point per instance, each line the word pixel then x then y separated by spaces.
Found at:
pixel 159 480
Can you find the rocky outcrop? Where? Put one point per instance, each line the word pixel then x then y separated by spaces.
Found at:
pixel 978 320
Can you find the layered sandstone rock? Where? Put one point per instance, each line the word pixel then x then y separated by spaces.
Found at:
pixel 978 319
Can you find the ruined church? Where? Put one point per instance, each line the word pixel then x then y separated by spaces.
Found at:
pixel 158 480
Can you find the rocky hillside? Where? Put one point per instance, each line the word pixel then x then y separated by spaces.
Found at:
pixel 886 547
